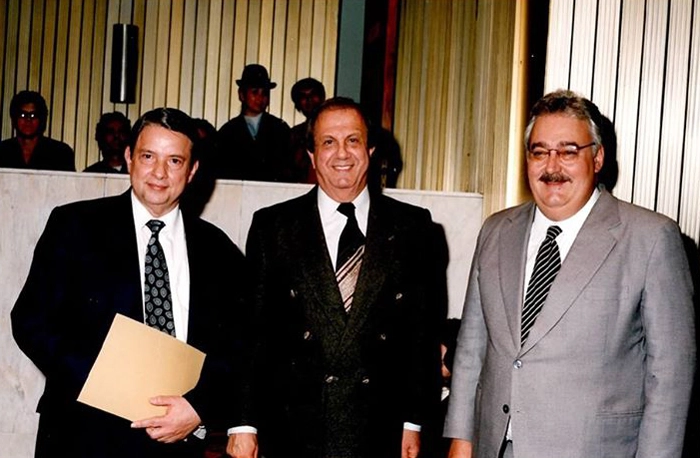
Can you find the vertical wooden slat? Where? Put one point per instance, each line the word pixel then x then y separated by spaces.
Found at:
pixel 174 68
pixel 252 46
pixel 272 50
pixel 23 41
pixel 150 53
pixel 48 45
pixel 212 64
pixel 100 57
pixel 297 35
pixel 35 50
pixel 239 57
pixel 10 64
pixel 226 78
pixel 58 97
pixel 651 92
pixel 138 18
pixel 85 67
pixel 629 73
pixel 582 47
pixel 200 58
pixel 189 32
pixel 330 41
pixel 674 97
pixel 689 219
pixel 606 52
pixel 561 14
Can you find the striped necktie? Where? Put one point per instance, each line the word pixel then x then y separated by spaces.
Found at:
pixel 351 247
pixel 547 264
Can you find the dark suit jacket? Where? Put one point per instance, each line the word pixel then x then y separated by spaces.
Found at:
pixel 85 270
pixel 242 157
pixel 338 385
pixel 49 154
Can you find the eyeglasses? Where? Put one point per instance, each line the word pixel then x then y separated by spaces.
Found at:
pixel 28 114
pixel 566 154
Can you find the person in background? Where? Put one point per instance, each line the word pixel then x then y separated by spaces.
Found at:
pixel 29 148
pixel 307 94
pixel 254 145
pixel 111 133
pixel 577 336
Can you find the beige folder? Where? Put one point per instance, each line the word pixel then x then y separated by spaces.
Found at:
pixel 136 363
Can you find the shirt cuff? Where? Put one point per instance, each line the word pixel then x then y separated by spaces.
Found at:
pixel 242 429
pixel 411 427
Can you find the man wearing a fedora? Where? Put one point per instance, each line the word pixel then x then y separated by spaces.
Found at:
pixel 255 144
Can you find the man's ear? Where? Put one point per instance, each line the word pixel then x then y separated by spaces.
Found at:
pixel 599 159
pixel 312 157
pixel 371 151
pixel 195 167
pixel 127 158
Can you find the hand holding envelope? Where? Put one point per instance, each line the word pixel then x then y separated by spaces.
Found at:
pixel 141 375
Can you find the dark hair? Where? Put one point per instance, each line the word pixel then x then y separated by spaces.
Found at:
pixel 25 97
pixel 304 85
pixel 105 119
pixel 337 103
pixel 569 103
pixel 171 119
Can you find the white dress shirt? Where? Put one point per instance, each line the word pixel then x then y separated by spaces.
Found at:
pixel 333 221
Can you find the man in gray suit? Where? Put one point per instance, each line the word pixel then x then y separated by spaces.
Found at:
pixel 598 362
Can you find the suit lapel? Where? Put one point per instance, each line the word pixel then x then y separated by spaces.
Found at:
pixel 514 239
pixel 590 249
pixel 123 243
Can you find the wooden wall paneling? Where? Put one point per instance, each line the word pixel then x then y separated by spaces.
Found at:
pixel 226 78
pixel 273 50
pixel 35 48
pixel 606 51
pixel 162 54
pixel 48 46
pixel 453 99
pixel 583 47
pixel 187 60
pixel 151 49
pixel 561 15
pixel 673 111
pixel 690 185
pixel 239 57
pixel 87 70
pixel 172 76
pixel 199 59
pixel 436 87
pixel 213 55
pixel 466 115
pixel 138 18
pixel 58 100
pixel 71 101
pixel 318 40
pixel 9 53
pixel 307 29
pixel 23 50
pixel 651 93
pixel 628 94
pixel 99 78
pixel 329 45
pixel 297 35
pixel 252 43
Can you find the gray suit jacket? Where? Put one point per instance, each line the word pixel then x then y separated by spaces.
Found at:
pixel 608 366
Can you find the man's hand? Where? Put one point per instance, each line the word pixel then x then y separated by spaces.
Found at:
pixel 460 449
pixel 410 444
pixel 242 445
pixel 179 421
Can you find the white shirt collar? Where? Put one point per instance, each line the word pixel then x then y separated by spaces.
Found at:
pixel 172 219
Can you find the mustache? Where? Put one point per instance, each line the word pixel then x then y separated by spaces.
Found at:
pixel 554 178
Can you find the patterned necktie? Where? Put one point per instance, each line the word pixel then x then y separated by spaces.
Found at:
pixel 547 264
pixel 351 247
pixel 158 300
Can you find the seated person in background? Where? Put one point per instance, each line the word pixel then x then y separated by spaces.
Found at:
pixel 29 149
pixel 111 134
pixel 253 145
pixel 307 95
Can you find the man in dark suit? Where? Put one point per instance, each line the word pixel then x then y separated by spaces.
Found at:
pixel 255 144
pixel 577 336
pixel 90 264
pixel 349 360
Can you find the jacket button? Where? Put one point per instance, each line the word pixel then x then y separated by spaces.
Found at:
pixel 506 409
pixel 292 293
pixel 399 296
pixel 331 379
pixel 517 364
pixel 382 336
pixel 307 335
pixel 365 380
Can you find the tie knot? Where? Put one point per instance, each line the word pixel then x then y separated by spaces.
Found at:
pixel 347 209
pixel 553 232
pixel 155 225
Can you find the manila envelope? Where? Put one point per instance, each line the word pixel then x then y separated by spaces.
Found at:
pixel 137 362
